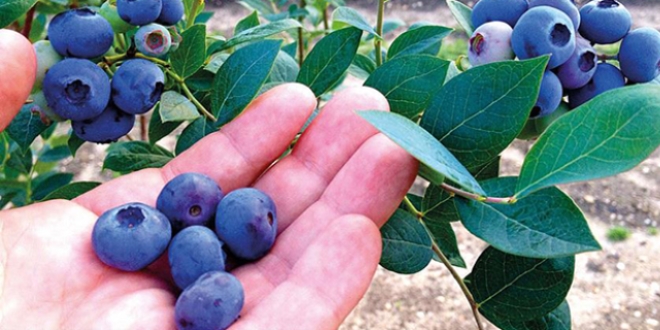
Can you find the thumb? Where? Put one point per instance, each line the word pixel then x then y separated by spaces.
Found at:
pixel 18 65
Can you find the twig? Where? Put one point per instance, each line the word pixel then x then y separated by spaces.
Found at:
pixel 301 39
pixel 379 30
pixel 476 197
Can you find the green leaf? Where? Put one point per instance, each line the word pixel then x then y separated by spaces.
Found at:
pixel 72 190
pixel 13 9
pixel 462 14
pixel 26 126
pixel 240 78
pixel 488 171
pixel 158 129
pixel 204 17
pixel 4 148
pixel 49 182
pixel 422 40
pixel 20 160
pixel 329 59
pixel 608 135
pixel 409 82
pixel 216 61
pixel 352 17
pixel 190 55
pixel 194 132
pixel 261 32
pixel 406 244
pixel 509 288
pixel 546 224
pixel 285 69
pixel 444 236
pixel 477 114
pixel 131 156
pixel 201 81
pixel 55 154
pixel 558 319
pixel 438 205
pixel 189 7
pixel 38 28
pixel 362 66
pixel 389 25
pixel 247 22
pixel 175 107
pixel 263 7
pixel 435 158
pixel 74 143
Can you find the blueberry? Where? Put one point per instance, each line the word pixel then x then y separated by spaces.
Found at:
pixel 246 220
pixel 39 100
pixel 213 302
pixel 508 11
pixel 607 77
pixel 604 21
pixel 109 12
pixel 107 127
pixel 46 58
pixel 567 6
pixel 80 33
pixel 549 96
pixel 76 89
pixel 139 12
pixel 171 13
pixel 536 126
pixel 639 55
pixel 544 30
pixel 137 86
pixel 189 199
pixel 194 251
pixel 491 42
pixel 153 40
pixel 580 67
pixel 131 236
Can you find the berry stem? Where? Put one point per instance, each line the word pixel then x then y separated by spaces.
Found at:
pixel 326 23
pixel 153 59
pixel 484 199
pixel 29 17
pixel 379 30
pixel 143 128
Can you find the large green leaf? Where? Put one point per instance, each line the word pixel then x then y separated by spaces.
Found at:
pixel 247 22
pixel 329 59
pixel 462 14
pixel 409 82
pixel 608 135
pixel 194 132
pixel 443 234
pixel 559 319
pixel 135 155
pixel 74 143
pixel 157 128
pixel 352 17
pixel 509 288
pixel 175 107
pixel 72 190
pixel 13 9
pixel 190 55
pixel 48 182
pixel 437 161
pixel 362 66
pixel 422 40
pixel 438 204
pixel 240 78
pixel 546 224
pixel 262 6
pixel 26 126
pixel 20 160
pixel 285 69
pixel 406 244
pixel 261 31
pixel 480 112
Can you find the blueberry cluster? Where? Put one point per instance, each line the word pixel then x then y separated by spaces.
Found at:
pixel 71 86
pixel 202 229
pixel 506 29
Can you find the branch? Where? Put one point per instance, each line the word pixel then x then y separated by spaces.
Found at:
pixel 476 197
pixel 379 30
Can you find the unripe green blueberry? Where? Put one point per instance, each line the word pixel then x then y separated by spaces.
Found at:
pixel 109 12
pixel 46 58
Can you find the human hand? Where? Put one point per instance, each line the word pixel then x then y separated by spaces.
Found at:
pixel 340 183
pixel 18 67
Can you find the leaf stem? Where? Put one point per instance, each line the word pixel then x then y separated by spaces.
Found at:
pixel 459 280
pixel 301 39
pixel 190 21
pixel 411 207
pixel 379 30
pixel 153 59
pixel 190 95
pixel 479 198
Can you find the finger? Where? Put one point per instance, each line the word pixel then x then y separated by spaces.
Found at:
pixel 325 284
pixel 18 67
pixel 234 157
pixel 332 138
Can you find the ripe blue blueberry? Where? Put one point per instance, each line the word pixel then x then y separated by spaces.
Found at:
pixel 109 11
pixel 246 220
pixel 80 33
pixel 171 13
pixel 508 11
pixel 544 30
pixel 604 21
pixel 580 67
pixel 139 12
pixel 491 42
pixel 131 236
pixel 153 40
pixel 639 55
pixel 189 199
pixel 213 302
pixel 607 77
pixel 194 251
pixel 107 127
pixel 549 96
pixel 567 6
pixel 137 86
pixel 76 89
pixel 46 58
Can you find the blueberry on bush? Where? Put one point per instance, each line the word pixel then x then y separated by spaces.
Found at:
pixel 131 236
pixel 606 77
pixel 213 302
pixel 580 67
pixel 139 12
pixel 508 11
pixel 567 6
pixel 549 96
pixel 544 30
pixel 76 89
pixel 171 13
pixel 107 127
pixel 639 55
pixel 109 12
pixel 491 42
pixel 246 220
pixel 153 40
pixel 80 33
pixel 604 21
pixel 46 58
pixel 137 86
pixel 194 251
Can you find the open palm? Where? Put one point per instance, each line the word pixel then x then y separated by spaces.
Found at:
pixel 339 184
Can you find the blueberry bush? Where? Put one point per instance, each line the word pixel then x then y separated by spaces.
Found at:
pixel 531 71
